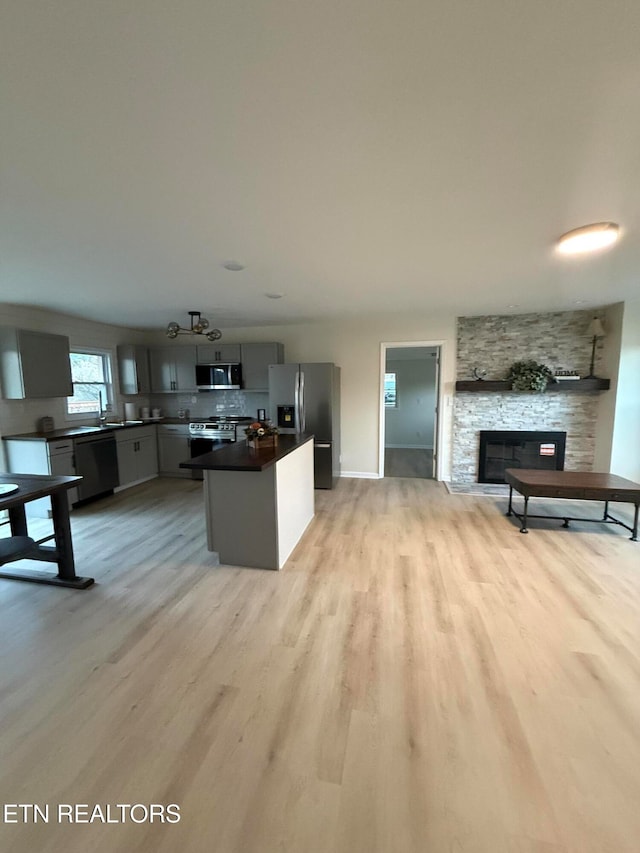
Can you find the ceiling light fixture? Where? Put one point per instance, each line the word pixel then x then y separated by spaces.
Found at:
pixel 274 295
pixel 589 238
pixel 199 326
pixel 233 266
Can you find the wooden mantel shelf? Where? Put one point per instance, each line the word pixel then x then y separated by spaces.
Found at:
pixel 487 386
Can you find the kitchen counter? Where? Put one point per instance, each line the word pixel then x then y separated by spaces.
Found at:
pixel 257 503
pixel 239 456
pixel 80 430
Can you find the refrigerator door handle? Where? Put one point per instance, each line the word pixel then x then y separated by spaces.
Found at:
pixel 303 417
pixel 296 401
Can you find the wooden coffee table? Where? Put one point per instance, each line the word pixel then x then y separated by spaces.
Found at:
pixel 574 486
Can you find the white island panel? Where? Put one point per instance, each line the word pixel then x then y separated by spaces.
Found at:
pixel 294 498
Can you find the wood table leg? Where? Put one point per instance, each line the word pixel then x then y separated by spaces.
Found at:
pixel 62 554
pixel 18 520
pixel 64 544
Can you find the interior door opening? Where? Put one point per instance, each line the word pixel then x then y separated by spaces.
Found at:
pixel 409 410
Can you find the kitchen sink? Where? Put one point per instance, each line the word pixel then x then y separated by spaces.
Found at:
pixel 123 423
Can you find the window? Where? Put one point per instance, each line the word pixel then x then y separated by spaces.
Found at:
pixel 91 377
pixel 390 400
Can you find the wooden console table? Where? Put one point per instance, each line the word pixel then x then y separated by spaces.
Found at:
pixel 572 485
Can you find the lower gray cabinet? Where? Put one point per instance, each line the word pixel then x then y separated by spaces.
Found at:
pixel 173 448
pixel 137 454
pixel 55 458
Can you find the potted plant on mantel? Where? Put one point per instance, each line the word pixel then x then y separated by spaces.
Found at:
pixel 529 376
pixel 261 434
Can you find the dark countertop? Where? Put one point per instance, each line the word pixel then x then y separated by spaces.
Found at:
pixel 77 431
pixel 239 457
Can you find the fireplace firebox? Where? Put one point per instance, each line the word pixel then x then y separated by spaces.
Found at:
pixel 519 449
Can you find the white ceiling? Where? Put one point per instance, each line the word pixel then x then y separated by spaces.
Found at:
pixel 356 155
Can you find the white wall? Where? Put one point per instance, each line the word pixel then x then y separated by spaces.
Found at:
pixel 608 367
pixel 410 423
pixel 354 344
pixel 625 446
pixel 19 416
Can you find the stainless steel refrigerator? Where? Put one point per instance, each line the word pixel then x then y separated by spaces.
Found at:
pixel 306 398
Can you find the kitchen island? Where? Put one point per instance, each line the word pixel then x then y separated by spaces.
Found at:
pixel 257 502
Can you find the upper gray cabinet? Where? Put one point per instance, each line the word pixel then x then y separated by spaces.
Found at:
pixel 34 364
pixel 173 368
pixel 225 353
pixel 133 369
pixel 256 359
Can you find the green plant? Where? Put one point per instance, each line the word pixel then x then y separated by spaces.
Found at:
pixel 260 429
pixel 529 376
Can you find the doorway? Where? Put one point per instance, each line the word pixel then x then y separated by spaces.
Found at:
pixel 410 386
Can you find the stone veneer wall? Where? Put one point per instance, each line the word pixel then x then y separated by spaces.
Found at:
pixel 493 343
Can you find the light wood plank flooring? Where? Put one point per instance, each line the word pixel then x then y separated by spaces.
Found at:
pixel 420 678
pixel 408 462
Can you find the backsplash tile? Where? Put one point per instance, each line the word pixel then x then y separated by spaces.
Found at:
pixel 203 404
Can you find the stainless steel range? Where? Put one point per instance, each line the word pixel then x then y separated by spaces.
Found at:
pixel 213 430
pixel 205 436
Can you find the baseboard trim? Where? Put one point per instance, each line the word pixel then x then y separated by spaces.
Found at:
pixel 360 475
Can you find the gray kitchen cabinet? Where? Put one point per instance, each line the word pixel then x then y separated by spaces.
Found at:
pixel 256 359
pixel 133 369
pixel 225 353
pixel 173 448
pixel 173 368
pixel 34 364
pixel 42 457
pixel 137 454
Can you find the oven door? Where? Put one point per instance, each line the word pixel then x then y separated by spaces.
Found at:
pixel 198 446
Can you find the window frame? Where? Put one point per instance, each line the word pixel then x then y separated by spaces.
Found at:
pixel 107 363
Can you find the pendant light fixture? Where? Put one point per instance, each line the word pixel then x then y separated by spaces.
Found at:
pixel 199 326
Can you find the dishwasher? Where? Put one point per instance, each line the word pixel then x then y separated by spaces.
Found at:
pixel 97 464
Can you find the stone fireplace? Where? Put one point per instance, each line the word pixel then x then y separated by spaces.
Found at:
pixel 492 344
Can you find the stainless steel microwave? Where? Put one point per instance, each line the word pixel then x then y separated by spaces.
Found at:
pixel 218 377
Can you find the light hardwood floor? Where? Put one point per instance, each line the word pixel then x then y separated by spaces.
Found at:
pixel 419 678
